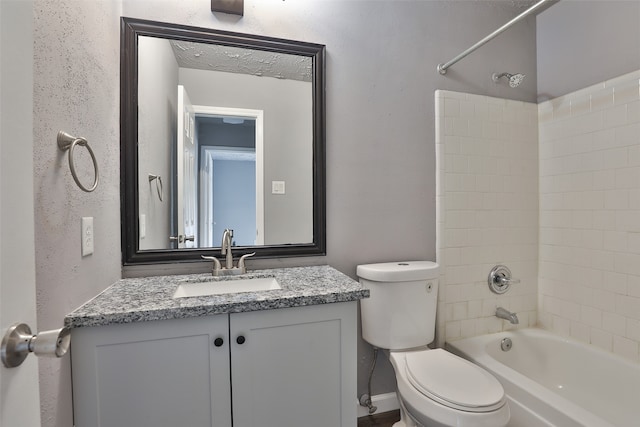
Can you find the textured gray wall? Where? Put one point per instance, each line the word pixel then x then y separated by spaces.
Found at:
pixel 381 76
pixel 583 42
pixel 76 89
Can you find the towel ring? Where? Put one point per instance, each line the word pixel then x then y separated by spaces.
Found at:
pixel 158 180
pixel 68 142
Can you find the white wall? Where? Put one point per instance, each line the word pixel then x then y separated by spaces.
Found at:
pixel 288 132
pixel 590 215
pixel 487 195
pixel 157 133
pixel 19 397
pixel 583 42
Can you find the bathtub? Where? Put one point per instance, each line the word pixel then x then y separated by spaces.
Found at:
pixel 553 381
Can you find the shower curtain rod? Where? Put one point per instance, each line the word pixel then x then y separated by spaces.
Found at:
pixel 442 68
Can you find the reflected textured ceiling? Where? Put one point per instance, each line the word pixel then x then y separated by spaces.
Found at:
pixel 239 60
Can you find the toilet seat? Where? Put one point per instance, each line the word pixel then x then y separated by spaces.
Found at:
pixel 453 381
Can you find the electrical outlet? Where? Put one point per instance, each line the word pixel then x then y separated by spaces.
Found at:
pixel 87 235
pixel 143 226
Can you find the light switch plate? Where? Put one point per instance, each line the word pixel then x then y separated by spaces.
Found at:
pixel 277 187
pixel 87 235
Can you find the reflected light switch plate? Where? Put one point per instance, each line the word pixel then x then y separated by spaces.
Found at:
pixel 277 187
pixel 234 7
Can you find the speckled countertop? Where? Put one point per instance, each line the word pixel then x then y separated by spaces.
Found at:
pixel 151 298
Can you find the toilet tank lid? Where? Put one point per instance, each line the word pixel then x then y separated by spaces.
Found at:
pixel 404 271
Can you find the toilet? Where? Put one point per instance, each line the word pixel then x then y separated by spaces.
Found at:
pixel 435 387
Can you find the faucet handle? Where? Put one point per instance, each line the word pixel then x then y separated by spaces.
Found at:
pixel 216 263
pixel 241 261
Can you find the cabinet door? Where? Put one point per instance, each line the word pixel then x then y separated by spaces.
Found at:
pixel 296 367
pixel 165 373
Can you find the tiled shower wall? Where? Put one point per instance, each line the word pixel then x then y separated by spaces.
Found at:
pixel 589 273
pixel 487 198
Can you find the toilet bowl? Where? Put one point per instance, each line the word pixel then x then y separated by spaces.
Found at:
pixel 435 387
pixel 439 389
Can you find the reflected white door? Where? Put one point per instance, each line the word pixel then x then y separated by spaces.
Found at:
pixel 187 169
pixel 19 394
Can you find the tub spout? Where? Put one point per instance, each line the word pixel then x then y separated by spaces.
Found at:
pixel 507 315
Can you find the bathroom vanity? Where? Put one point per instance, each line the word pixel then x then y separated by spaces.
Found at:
pixel 284 357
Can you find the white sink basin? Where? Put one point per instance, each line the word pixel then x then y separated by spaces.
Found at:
pixel 198 289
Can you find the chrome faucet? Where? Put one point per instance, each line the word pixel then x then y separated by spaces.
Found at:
pixel 228 268
pixel 507 315
pixel 226 247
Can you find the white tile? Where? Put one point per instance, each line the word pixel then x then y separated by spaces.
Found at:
pixel 474 309
pixel 591 316
pixel 602 339
pixel 616 199
pixel 580 332
pixel 482 111
pixel 633 286
pixel 561 107
pixel 460 126
pixel 561 326
pixel 626 92
pixel 580 105
pixel 460 311
pixel 633 112
pixel 453 95
pixel 468 328
pixel 452 330
pixel 625 347
pixel 467 109
pixel 615 116
pixel 602 99
pixel 633 240
pixel 615 240
pixel 628 306
pixel 452 107
pixel 495 112
pixel 615 158
pixel 628 135
pixel 623 79
pixel 614 323
pixel 633 329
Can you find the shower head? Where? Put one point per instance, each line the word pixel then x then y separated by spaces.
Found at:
pixel 514 79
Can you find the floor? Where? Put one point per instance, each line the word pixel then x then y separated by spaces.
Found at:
pixel 385 419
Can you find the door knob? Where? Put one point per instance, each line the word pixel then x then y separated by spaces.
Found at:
pixel 19 341
pixel 181 238
pixel 240 340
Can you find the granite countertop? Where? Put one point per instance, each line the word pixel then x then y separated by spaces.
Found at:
pixel 151 298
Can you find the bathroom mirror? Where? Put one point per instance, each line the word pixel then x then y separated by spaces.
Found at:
pixel 220 130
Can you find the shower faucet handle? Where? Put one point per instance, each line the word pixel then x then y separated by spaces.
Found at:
pixel 500 279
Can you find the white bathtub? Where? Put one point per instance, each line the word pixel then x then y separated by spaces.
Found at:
pixel 553 381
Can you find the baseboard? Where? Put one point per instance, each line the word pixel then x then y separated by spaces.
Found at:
pixel 384 402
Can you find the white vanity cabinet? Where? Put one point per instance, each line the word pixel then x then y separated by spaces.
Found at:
pixel 273 368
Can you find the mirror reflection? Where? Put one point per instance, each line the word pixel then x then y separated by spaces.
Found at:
pixel 220 130
pixel 229 131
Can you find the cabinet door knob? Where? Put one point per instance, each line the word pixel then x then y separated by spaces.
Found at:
pixel 240 340
pixel 218 342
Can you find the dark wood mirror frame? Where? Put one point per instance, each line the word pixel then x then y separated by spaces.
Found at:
pixel 130 30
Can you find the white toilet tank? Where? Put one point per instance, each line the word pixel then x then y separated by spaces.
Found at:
pixel 401 311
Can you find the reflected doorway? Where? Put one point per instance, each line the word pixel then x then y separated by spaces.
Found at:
pixel 230 175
